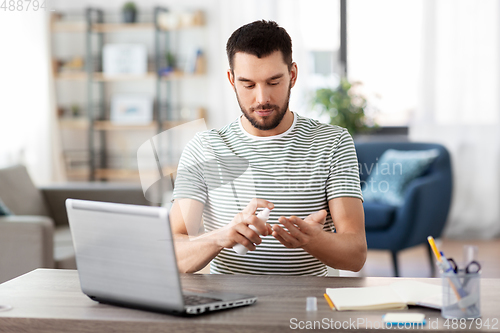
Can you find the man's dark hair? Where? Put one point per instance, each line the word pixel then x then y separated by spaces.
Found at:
pixel 260 38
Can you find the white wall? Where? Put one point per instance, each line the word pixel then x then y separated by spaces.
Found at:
pixel 26 111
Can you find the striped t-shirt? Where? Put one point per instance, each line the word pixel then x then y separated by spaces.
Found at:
pixel 299 171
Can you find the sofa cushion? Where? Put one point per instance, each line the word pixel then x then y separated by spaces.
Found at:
pixel 394 171
pixel 20 194
pixel 26 243
pixel 378 215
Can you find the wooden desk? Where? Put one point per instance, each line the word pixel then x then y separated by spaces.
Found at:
pixel 48 300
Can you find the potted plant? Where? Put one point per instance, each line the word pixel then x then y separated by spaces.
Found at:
pixel 129 11
pixel 344 106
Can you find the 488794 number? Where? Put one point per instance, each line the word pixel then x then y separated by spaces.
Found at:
pixel 25 5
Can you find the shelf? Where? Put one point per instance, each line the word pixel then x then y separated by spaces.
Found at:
pixel 106 125
pixel 61 26
pixel 126 174
pixel 100 77
pixel 78 174
pixel 167 21
pixel 101 125
pixel 173 123
pixel 181 76
pixel 71 76
pixel 181 27
pixel 74 123
pixel 117 174
pixel 116 27
pixel 81 27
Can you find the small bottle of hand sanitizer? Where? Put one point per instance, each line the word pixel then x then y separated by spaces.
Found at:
pixel 264 216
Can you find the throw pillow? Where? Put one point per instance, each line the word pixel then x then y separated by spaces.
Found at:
pixel 4 210
pixel 395 169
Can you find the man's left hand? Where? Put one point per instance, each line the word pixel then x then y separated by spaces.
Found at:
pixel 300 232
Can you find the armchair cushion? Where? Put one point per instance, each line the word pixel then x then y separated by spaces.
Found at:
pixel 378 216
pixel 395 170
pixel 4 210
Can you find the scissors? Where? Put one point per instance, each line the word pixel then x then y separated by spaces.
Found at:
pixel 471 268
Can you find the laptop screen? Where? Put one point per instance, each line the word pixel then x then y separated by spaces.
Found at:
pixel 125 254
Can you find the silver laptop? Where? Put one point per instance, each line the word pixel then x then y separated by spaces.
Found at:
pixel 125 256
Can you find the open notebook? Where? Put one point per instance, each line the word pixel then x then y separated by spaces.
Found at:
pixel 395 296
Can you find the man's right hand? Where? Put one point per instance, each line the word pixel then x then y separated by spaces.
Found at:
pixel 194 253
pixel 238 232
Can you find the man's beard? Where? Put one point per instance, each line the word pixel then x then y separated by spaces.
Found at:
pixel 275 118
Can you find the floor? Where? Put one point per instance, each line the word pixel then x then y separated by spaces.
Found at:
pixel 414 262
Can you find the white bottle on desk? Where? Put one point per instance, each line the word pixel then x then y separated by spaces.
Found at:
pixel 263 216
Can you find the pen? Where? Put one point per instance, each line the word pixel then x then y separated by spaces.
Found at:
pixel 445 265
pixel 329 301
pixel 447 268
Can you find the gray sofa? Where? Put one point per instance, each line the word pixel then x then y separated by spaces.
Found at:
pixel 37 234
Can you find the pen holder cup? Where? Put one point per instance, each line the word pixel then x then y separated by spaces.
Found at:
pixel 461 295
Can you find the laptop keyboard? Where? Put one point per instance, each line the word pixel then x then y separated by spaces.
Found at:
pixel 197 300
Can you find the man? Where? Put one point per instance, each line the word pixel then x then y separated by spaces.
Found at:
pixel 305 171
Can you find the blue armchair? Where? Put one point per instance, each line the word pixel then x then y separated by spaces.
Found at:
pixel 427 201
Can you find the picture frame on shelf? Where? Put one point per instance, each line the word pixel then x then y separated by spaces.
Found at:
pixel 131 109
pixel 120 59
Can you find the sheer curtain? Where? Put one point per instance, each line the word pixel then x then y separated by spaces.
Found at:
pixel 459 107
pixel 29 131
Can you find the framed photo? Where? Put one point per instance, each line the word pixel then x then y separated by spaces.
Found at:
pixel 131 109
pixel 124 59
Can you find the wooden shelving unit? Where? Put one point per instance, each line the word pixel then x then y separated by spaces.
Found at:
pixel 96 126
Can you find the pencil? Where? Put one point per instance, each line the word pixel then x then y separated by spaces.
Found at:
pixel 434 248
pixel 329 301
